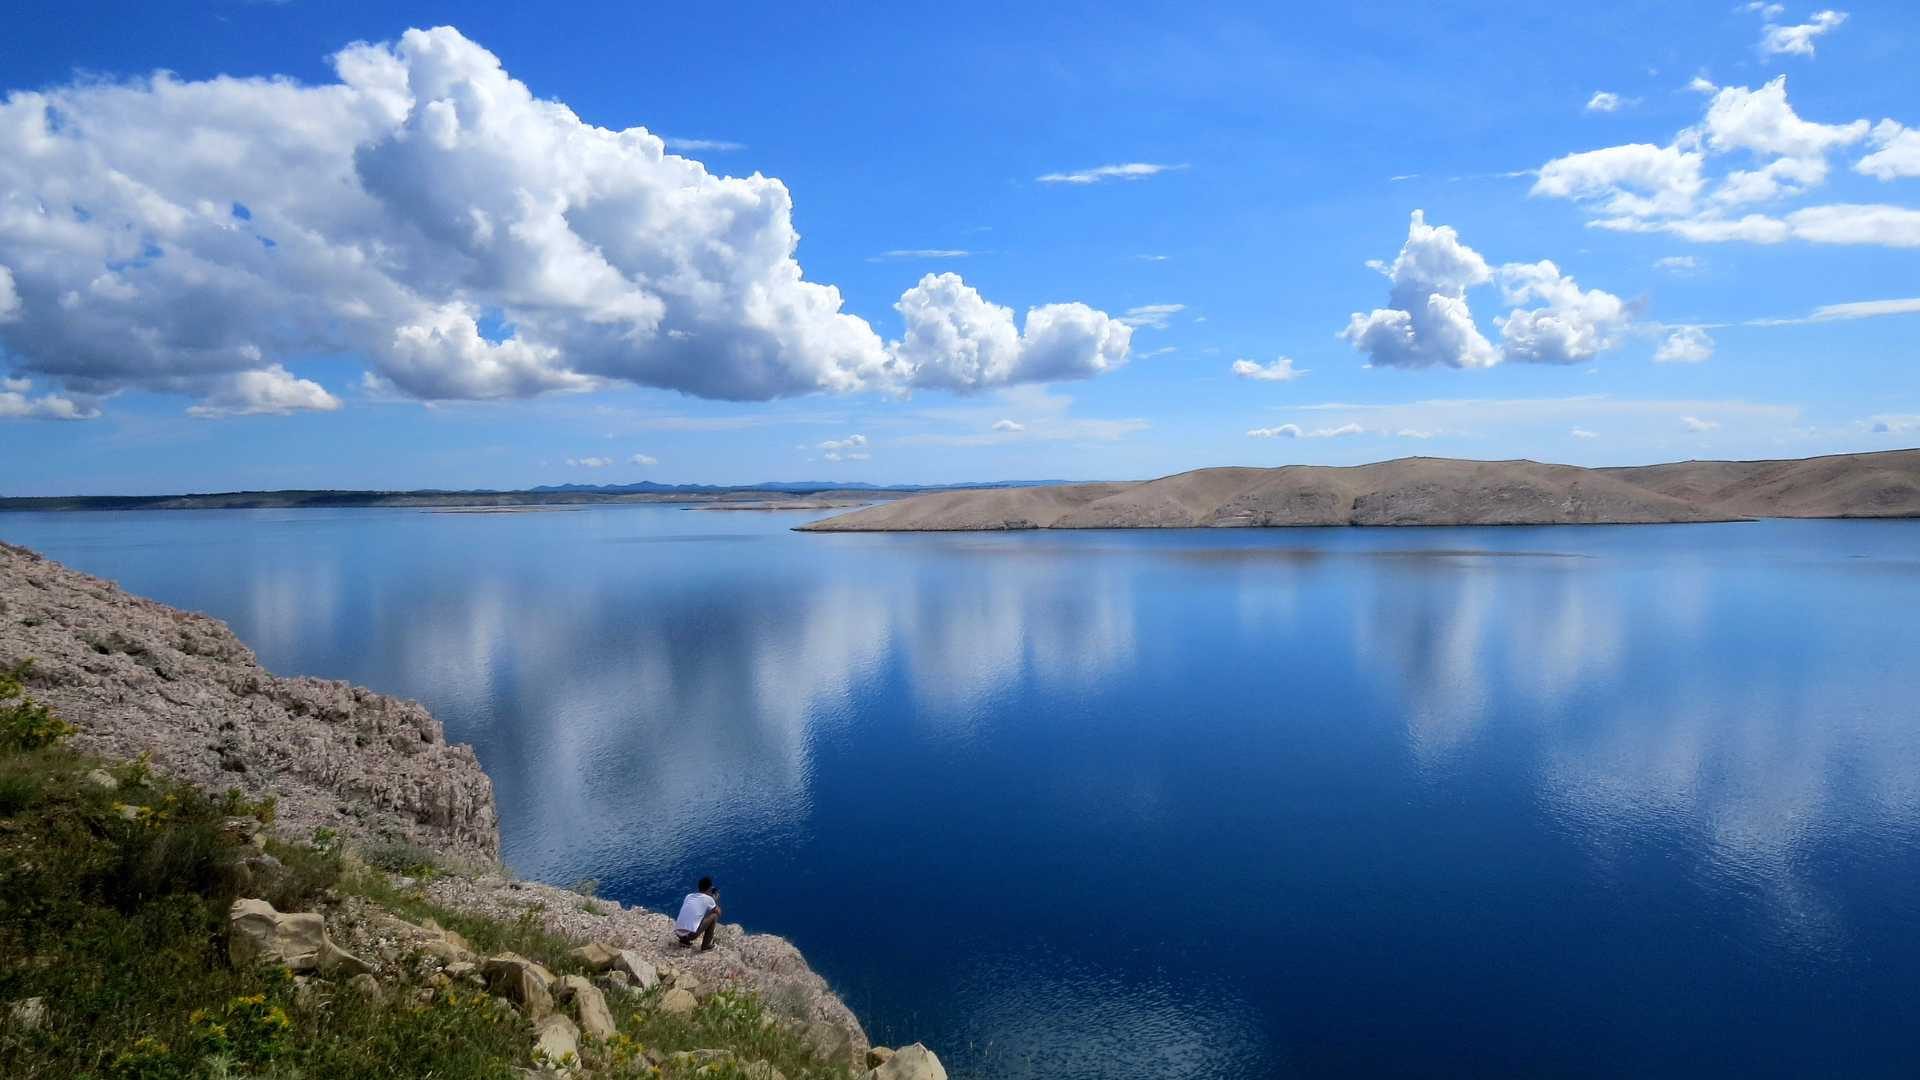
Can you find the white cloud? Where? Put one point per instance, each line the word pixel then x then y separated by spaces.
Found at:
pixel 1430 324
pixel 1135 170
pixel 1008 425
pixel 1898 154
pixel 1796 40
pixel 1700 84
pixel 1867 309
pixel 1684 345
pixel 1410 433
pixel 1153 315
pixel 1694 423
pixel 1583 433
pixel 1281 370
pixel 921 253
pixel 270 391
pixel 1574 326
pixel 1426 322
pixel 9 297
pixel 695 146
pixel 589 462
pixel 427 212
pixel 1886 424
pixel 1766 10
pixel 1605 101
pixel 1634 180
pixel 1293 431
pixel 1153 258
pixel 1044 417
pixel 16 405
pixel 1680 265
pixel 1853 223
pixel 1762 121
pixel 851 448
pixel 957 341
pixel 643 459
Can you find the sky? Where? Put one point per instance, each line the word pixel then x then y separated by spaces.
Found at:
pixel 257 245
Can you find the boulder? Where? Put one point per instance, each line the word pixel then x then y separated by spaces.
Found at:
pixel 596 957
pixel 914 1062
pixel 256 933
pixel 641 971
pixel 830 1041
pixel 878 1056
pixel 589 1005
pixel 764 1070
pixel 27 1014
pixel 556 1041
pixel 102 779
pixel 523 982
pixel 677 1002
pixel 367 986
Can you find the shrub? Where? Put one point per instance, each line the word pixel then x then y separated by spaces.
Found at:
pixel 24 723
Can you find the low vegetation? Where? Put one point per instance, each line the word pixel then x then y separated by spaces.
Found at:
pixel 115 886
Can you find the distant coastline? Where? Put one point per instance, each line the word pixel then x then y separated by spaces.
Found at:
pixel 1426 491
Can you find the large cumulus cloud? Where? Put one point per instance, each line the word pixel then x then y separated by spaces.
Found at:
pixel 471 241
pixel 1428 323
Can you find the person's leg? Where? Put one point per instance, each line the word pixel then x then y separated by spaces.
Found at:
pixel 706 929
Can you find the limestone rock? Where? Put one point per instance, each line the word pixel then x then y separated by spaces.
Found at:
pixel 101 778
pixel 556 1041
pixel 596 957
pixel 637 968
pixel 677 1002
pixel 523 982
pixel 914 1062
pixel 764 1070
pixel 589 1005
pixel 256 933
pixel 27 1014
pixel 878 1056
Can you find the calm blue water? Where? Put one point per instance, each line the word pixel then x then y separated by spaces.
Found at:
pixel 1555 801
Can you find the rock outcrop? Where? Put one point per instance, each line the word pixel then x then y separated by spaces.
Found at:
pixel 139 677
pixel 256 933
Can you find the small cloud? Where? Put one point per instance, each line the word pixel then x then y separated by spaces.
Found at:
pixel 1795 40
pixel 589 462
pixel 643 459
pixel 1700 84
pixel 694 146
pixel 1152 315
pixel 1895 425
pixel 1582 433
pixel 1293 431
pixel 1403 178
pixel 1694 423
pixel 1678 265
pixel 1281 370
pixel 1410 433
pixel 1605 101
pixel 1008 425
pixel 1153 258
pixel 851 448
pixel 1151 353
pixel 1133 170
pixel 1685 345
pixel 921 253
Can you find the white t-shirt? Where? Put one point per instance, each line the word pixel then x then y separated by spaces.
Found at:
pixel 694 910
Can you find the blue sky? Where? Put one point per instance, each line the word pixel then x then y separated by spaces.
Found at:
pixel 387 270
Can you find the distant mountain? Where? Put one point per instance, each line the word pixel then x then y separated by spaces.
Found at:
pixel 1427 491
pixel 788 487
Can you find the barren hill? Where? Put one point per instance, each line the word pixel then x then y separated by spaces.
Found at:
pixel 1427 491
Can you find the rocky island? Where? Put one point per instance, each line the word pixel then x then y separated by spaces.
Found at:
pixel 1425 491
pixel 350 849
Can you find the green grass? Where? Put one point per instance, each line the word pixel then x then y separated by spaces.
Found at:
pixel 113 907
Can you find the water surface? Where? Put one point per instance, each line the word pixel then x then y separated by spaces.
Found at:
pixel 1569 801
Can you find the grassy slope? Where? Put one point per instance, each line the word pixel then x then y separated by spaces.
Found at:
pixel 116 918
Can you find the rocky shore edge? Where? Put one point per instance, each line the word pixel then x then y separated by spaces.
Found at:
pixel 177 691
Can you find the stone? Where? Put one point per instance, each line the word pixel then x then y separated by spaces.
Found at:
pixel 641 971
pixel 367 986
pixel 522 982
pixel 596 957
pixel 256 933
pixel 878 1056
pixel 914 1062
pixel 589 1006
pixel 27 1014
pixel 677 1002
pixel 684 981
pixel 103 779
pixel 556 1041
pixel 764 1070
pixel 830 1041
pixel 460 969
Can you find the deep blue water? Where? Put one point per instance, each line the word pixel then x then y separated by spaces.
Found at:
pixel 1556 801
